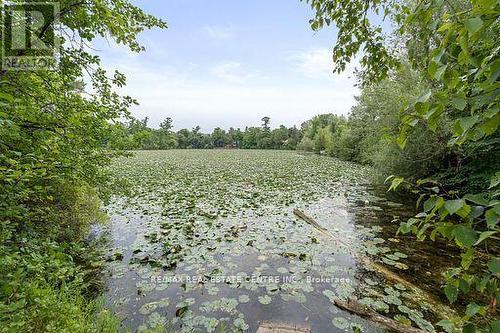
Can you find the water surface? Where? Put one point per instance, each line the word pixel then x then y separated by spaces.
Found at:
pixel 207 240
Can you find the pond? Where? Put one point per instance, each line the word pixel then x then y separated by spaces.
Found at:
pixel 207 240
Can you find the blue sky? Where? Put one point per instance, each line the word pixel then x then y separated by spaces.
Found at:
pixel 229 63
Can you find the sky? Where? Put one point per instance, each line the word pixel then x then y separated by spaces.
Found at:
pixel 228 63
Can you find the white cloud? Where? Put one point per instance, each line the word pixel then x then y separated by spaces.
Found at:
pixel 191 99
pixel 314 63
pixel 217 32
pixel 318 63
pixel 232 72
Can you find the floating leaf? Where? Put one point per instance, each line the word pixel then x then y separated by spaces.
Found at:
pixel 264 299
pixel 341 323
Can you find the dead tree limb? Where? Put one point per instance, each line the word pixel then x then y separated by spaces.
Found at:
pixel 308 219
pixel 436 306
pixel 361 310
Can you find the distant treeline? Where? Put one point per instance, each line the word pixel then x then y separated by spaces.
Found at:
pixel 367 136
pixel 136 134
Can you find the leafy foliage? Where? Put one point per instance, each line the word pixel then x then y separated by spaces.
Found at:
pixel 53 134
pixel 45 288
pixel 366 136
pixel 356 33
pixel 454 44
pixel 137 135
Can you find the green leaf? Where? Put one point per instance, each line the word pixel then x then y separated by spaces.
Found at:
pixel 476 212
pixel 477 199
pixel 491 218
pixel 464 57
pixel 433 116
pixel 473 25
pixel 439 72
pixel 402 139
pixel 468 122
pixel 481 284
pixel 464 211
pixel 490 126
pixel 6 97
pixel 494 265
pixel 424 98
pixel 389 178
pixel 446 324
pixel 430 113
pixel 496 207
pixel 406 227
pixel 451 292
pixel 469 328
pixel 432 68
pixel 437 54
pixel 464 236
pixel 484 235
pixel 429 204
pixel 495 326
pixel 473 309
pixel 453 206
pixel 495 180
pixel 458 103
pixel 396 181
pixel 467 258
pixel 422 109
pixel 463 285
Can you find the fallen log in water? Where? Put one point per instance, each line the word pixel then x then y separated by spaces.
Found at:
pixel 268 327
pixel 355 307
pixel 308 219
pixel 436 306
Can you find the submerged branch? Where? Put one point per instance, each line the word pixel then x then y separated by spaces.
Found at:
pixel 436 306
pixel 357 308
pixel 308 219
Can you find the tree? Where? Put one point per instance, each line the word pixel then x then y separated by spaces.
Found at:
pixel 294 137
pixel 278 137
pixel 137 135
pixel 53 153
pixel 265 124
pixel 264 140
pixel 235 137
pixel 166 138
pixel 183 139
pixel 250 137
pixel 356 32
pixel 455 44
pixel 219 138
pixel 196 139
pixel 166 125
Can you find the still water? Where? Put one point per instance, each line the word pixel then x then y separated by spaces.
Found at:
pixel 207 241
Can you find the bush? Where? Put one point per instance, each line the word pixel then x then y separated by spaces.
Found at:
pixel 367 136
pixel 50 287
pixel 48 275
pixel 45 308
pixel 306 144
